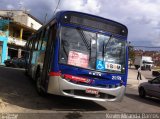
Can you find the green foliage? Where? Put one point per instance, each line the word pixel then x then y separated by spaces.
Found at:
pixel 131 52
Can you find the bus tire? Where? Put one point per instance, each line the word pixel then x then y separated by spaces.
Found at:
pixel 40 91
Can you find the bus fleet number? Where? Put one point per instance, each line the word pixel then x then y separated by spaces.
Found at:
pixel 116 78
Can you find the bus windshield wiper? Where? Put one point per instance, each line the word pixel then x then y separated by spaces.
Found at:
pixel 106 44
pixel 84 38
pixel 64 49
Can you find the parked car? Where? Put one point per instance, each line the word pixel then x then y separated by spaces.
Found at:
pixel 15 62
pixel 156 73
pixel 150 88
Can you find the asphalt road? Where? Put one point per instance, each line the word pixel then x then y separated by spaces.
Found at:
pixel 18 95
pixel 146 73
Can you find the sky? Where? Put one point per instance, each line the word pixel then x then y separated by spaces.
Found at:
pixel 142 17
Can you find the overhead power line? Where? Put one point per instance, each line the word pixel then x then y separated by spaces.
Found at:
pixel 148 46
pixel 57 6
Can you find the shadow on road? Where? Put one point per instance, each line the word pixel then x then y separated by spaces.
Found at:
pixel 17 89
pixel 147 100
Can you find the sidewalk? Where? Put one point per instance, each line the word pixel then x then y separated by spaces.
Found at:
pixel 132 79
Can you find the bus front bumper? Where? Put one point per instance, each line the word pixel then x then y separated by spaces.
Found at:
pixel 60 86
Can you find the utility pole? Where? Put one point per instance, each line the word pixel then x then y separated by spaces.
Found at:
pixel 45 18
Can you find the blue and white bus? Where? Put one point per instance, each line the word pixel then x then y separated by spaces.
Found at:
pixel 81 56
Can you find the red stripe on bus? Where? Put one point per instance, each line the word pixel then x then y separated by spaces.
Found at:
pixel 75 78
pixel 54 74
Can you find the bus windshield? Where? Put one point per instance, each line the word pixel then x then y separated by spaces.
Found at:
pixel 91 50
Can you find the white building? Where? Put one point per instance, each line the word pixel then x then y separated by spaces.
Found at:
pixel 16 26
pixel 22 17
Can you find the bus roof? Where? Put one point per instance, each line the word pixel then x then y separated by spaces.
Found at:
pixel 58 15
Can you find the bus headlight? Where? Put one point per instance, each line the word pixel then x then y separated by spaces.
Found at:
pixel 76 79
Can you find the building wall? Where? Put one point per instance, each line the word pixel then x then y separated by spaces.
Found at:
pixel 14 32
pixel 31 21
pixel 21 17
pixel 4 39
pixel 7 33
pixel 11 13
pixel 4 48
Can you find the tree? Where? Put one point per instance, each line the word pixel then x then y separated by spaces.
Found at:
pixel 131 52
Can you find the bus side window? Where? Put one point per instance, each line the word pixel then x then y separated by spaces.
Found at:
pixel 37 41
pixel 45 39
pixel 27 44
pixel 30 44
pixel 43 44
pixel 40 40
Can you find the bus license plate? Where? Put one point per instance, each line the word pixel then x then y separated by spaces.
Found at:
pixel 92 91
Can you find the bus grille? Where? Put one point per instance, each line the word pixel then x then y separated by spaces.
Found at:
pixel 83 93
pixel 97 85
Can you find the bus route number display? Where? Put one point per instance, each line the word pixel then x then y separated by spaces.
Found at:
pixel 112 66
pixel 78 59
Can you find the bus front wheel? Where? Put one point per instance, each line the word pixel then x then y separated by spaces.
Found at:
pixel 40 91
